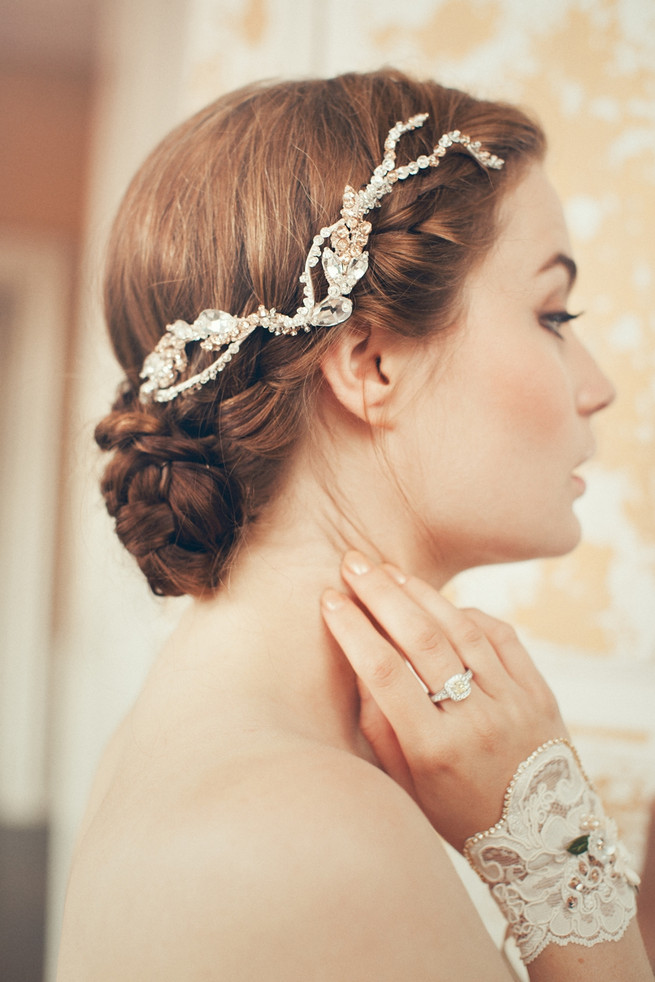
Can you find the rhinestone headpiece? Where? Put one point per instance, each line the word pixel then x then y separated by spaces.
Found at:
pixel 344 263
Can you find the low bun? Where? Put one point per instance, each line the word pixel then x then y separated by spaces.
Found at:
pixel 176 510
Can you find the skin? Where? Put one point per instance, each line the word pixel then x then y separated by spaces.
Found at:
pixel 647 891
pixel 256 816
pixel 509 392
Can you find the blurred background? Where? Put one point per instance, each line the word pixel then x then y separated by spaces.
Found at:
pixel 86 89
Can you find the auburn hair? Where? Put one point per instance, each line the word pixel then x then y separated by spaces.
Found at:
pixel 222 215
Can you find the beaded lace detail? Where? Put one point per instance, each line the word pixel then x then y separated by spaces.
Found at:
pixel 553 862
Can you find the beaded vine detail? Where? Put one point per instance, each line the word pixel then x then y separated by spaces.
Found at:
pixel 344 262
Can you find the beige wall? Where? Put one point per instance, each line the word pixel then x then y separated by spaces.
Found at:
pixel 45 106
pixel 44 118
pixel 588 70
pixel 587 67
pixel 45 115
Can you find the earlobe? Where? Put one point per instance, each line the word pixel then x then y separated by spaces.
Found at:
pixel 359 368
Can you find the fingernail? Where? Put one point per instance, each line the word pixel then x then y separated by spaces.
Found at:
pixel 356 563
pixel 332 600
pixel 395 574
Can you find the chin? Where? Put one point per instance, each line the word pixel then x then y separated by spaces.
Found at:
pixel 562 541
pixel 449 555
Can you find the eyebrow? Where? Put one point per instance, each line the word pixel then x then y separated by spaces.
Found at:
pixel 561 259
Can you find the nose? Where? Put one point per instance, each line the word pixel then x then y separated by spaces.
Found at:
pixel 594 390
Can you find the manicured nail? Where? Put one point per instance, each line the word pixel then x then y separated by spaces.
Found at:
pixel 395 574
pixel 332 600
pixel 356 563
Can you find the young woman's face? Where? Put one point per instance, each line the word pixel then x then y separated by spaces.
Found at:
pixel 498 432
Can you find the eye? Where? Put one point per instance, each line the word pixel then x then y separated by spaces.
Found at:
pixel 554 321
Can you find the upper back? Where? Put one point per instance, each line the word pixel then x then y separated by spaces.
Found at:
pixel 210 853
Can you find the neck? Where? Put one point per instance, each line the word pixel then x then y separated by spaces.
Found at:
pixel 263 629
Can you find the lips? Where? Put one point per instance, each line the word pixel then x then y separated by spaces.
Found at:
pixel 579 482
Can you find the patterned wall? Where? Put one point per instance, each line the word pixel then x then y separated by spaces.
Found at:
pixel 587 68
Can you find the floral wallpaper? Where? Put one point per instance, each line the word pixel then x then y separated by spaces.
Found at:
pixel 587 69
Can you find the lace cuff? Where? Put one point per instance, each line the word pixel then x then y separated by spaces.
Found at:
pixel 553 862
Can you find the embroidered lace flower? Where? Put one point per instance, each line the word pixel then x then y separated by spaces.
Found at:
pixel 553 862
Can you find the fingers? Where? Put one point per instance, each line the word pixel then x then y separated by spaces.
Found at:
pixel 438 639
pixel 381 668
pixel 474 645
pixel 455 759
pixel 509 649
pixel 412 629
pixel 414 624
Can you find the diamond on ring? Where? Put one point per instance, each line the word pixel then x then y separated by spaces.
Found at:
pixel 457 687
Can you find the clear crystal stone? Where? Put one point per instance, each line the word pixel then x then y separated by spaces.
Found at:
pixel 182 331
pixel 332 266
pixel 330 312
pixel 213 322
pixel 356 269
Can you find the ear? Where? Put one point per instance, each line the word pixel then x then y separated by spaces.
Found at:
pixel 363 369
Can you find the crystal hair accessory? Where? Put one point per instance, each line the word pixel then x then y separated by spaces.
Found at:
pixel 344 263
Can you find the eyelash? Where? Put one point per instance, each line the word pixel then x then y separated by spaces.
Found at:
pixel 553 322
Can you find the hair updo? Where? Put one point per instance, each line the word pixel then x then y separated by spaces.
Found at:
pixel 222 215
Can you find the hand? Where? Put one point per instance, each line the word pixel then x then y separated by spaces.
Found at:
pixel 455 758
pixel 647 891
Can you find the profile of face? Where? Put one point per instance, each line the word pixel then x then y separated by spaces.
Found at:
pixel 496 433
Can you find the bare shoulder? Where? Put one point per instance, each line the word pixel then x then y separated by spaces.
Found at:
pixel 302 862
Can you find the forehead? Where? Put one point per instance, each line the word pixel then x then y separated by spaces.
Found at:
pixel 533 238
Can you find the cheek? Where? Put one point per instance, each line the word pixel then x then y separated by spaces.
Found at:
pixel 528 402
pixel 500 418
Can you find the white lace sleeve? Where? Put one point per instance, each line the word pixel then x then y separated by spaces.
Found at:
pixel 553 862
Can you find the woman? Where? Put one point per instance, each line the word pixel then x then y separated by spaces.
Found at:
pixel 420 405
